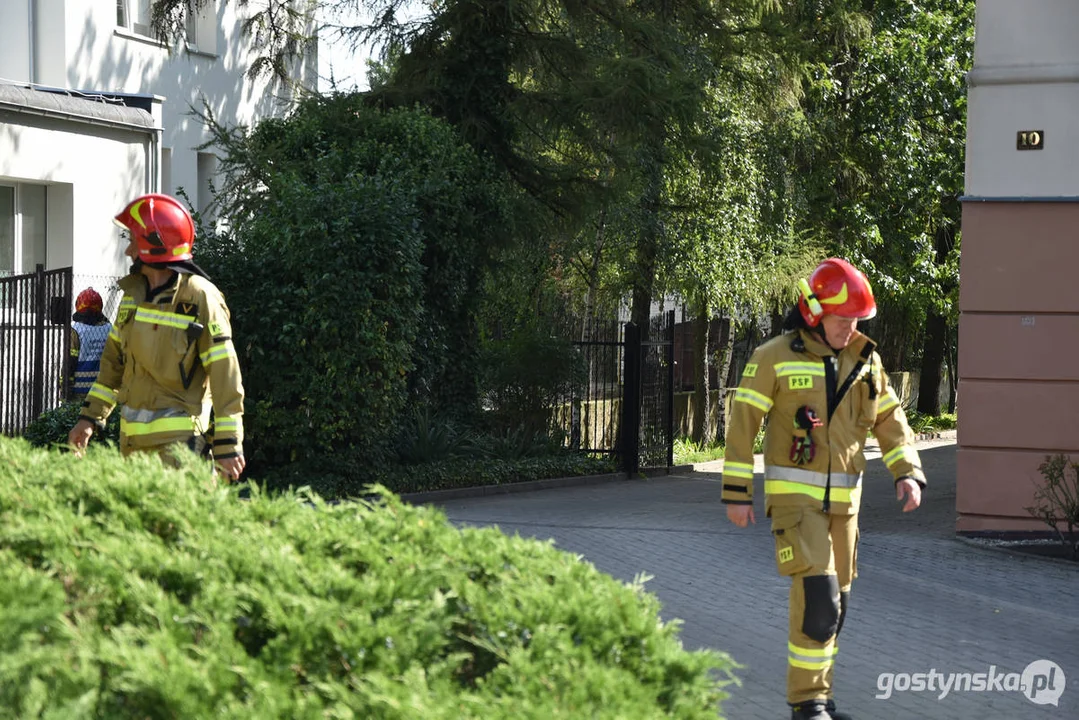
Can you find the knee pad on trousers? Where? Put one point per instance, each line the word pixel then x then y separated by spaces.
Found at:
pixel 820 620
pixel 844 598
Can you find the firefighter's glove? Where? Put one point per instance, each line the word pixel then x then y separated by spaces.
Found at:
pixel 802 450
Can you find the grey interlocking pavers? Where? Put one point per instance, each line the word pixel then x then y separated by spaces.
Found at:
pixel 923 600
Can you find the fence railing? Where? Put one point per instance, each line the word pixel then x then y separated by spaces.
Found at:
pixel 35 341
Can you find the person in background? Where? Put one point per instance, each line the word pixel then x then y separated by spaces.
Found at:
pixel 89 331
pixel 169 360
pixel 823 389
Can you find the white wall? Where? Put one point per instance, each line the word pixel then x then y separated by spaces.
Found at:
pixel 1025 77
pixel 104 170
pixel 102 57
pixel 77 45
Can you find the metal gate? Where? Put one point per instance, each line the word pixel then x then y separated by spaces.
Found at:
pixel 35 342
pixel 624 404
pixel 648 409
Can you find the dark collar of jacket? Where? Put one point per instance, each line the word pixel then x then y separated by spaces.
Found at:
pixel 813 344
pixel 138 286
pixel 89 318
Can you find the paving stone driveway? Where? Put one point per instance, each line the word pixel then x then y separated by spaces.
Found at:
pixel 923 600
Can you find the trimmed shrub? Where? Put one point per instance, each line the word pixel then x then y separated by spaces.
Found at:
pixel 129 590
pixel 52 426
pixel 472 472
pixel 353 270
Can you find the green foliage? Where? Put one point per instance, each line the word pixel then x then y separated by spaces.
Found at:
pixel 525 373
pixel 428 438
pixel 686 451
pixel 921 423
pixel 129 590
pixel 1056 500
pixel 467 472
pixel 50 429
pixel 359 238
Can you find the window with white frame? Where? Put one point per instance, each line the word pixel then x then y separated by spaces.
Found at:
pixel 134 15
pixel 22 228
pixel 201 26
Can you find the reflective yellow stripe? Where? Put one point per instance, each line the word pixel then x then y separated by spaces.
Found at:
pixel 160 317
pixel 102 393
pixel 754 398
pixel 838 494
pixel 738 470
pixel 809 664
pixel 811 477
pixel 217 352
pixel 822 665
pixel 903 452
pixel 799 368
pixel 114 334
pixel 74 352
pixel 888 402
pixel 228 424
pixel 163 425
pixel 810 658
pixel 135 213
pixel 826 651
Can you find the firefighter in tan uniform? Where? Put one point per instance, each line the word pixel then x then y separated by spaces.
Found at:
pixel 169 358
pixel 823 389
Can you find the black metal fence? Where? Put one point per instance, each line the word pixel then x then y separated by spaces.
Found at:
pixel 35 341
pixel 589 415
pixel 623 404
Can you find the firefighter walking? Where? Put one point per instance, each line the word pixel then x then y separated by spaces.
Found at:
pixel 823 390
pixel 169 359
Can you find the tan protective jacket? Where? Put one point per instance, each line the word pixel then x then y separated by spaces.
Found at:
pixel 155 343
pixel 792 371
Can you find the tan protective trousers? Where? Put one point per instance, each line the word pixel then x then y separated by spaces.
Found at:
pixel 819 552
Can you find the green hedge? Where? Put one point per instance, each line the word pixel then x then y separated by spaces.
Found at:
pixel 467 472
pixel 345 474
pixel 52 426
pixel 358 241
pixel 128 590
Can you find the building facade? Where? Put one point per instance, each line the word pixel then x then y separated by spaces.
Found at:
pixel 94 110
pixel 1019 300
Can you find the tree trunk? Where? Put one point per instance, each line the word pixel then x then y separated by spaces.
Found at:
pixel 936 342
pixel 936 325
pixel 701 396
pixel 952 358
pixel 648 238
pixel 724 352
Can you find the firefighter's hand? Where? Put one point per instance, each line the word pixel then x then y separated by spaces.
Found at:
pixel 232 467
pixel 912 490
pixel 80 435
pixel 741 515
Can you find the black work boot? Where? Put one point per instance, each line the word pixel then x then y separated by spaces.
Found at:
pixel 830 707
pixel 810 710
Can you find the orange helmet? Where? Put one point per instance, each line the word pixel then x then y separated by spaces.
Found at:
pixel 88 301
pixel 162 227
pixel 836 288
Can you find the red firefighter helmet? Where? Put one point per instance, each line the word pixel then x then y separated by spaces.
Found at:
pixel 88 301
pixel 162 227
pixel 836 288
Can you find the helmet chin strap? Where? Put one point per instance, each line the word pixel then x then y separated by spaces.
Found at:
pixel 819 329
